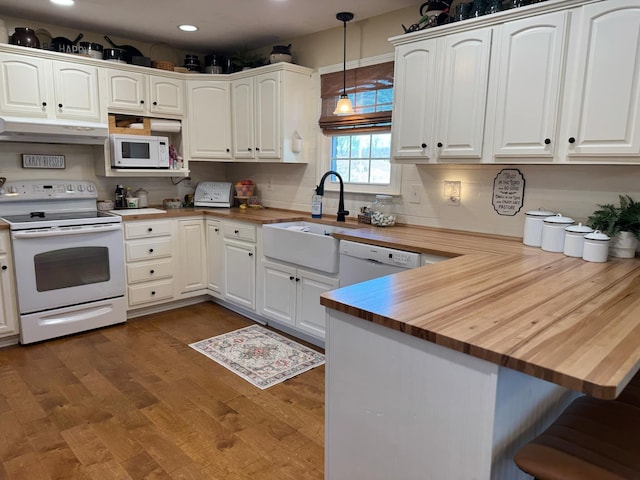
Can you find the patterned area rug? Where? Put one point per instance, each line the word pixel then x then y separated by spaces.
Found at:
pixel 258 355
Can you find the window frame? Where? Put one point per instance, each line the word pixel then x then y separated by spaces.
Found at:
pixel 324 159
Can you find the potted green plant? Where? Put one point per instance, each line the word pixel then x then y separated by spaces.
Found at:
pixel 620 222
pixel 245 59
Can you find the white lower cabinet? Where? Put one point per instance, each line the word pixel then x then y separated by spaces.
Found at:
pixel 8 307
pixel 191 256
pixel 239 251
pixel 149 262
pixel 291 296
pixel 215 263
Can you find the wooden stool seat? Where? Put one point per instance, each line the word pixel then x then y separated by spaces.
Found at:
pixel 591 440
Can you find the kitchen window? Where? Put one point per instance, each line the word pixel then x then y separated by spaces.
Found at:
pixel 360 144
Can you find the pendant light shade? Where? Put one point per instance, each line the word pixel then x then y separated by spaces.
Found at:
pixel 344 106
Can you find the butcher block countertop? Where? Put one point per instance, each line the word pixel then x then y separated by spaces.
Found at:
pixel 561 319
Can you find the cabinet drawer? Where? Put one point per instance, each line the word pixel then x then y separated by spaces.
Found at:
pixel 146 271
pixel 147 250
pixel 240 231
pixel 150 292
pixel 147 229
pixel 4 242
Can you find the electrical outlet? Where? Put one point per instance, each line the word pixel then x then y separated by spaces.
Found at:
pixel 414 193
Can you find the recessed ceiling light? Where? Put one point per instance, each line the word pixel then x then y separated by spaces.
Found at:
pixel 65 3
pixel 188 28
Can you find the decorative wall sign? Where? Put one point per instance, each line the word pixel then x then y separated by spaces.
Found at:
pixel 42 161
pixel 508 191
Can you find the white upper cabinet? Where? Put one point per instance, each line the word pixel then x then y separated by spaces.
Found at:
pixel 523 105
pixel 209 114
pixel 553 82
pixel 603 85
pixel 42 88
pixel 440 97
pixel 270 106
pixel 144 94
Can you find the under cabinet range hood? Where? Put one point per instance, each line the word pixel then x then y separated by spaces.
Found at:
pixel 42 130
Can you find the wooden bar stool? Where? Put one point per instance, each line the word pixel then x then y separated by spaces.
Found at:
pixel 591 440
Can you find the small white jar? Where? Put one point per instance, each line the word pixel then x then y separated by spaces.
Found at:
pixel 553 232
pixel 574 239
pixel 596 247
pixel 533 222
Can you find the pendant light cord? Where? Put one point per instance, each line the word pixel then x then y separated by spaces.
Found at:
pixel 344 59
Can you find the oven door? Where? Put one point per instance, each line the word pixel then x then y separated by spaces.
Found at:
pixel 66 266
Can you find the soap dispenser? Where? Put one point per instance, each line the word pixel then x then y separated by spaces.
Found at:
pixel 316 204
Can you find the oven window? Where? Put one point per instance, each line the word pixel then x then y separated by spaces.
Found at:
pixel 71 267
pixel 135 150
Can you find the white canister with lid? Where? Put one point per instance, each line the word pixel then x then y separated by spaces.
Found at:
pixel 596 247
pixel 553 232
pixel 533 226
pixel 574 239
pixel 142 195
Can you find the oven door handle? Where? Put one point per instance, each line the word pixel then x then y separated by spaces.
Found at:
pixel 71 231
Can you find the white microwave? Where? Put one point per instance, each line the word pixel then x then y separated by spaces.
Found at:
pixel 139 151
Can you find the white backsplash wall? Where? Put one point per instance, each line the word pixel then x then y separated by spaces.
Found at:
pixel 79 161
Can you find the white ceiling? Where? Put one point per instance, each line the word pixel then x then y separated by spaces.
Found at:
pixel 224 25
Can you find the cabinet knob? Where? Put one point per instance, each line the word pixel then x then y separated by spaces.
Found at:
pixel 44 104
pixel 249 149
pixel 153 292
pixel 572 140
pixel 152 272
pixel 151 250
pixel 155 104
pixel 297 279
pixel 216 229
pixel 141 102
pixel 257 149
pixel 59 105
pixel 150 229
pixel 236 231
pixel 250 254
pixel 439 144
pixel 547 141
pixel 228 150
pixel 4 267
pixel 424 145
pixel 291 277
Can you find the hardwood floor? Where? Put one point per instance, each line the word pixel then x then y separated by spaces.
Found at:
pixel 134 401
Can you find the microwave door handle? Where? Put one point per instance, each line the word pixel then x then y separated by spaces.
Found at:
pixel 59 233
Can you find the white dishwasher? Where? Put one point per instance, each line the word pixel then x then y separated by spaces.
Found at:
pixel 360 262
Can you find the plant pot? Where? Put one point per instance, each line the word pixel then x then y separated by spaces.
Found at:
pixel 623 245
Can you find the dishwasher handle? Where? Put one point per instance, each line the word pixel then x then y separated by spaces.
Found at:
pixel 58 232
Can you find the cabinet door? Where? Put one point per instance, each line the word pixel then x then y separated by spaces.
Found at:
pixel 215 254
pixel 240 273
pixel 604 113
pixel 191 241
pixel 76 91
pixel 8 307
pixel 268 113
pixel 414 100
pixel 310 314
pixel 243 118
pixel 127 91
pixel 527 94
pixel 209 119
pixel 24 83
pixel 463 95
pixel 166 95
pixel 279 292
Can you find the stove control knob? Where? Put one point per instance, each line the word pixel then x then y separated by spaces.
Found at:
pixel 13 189
pixel 2 191
pixel 90 188
pixel 69 188
pixel 81 188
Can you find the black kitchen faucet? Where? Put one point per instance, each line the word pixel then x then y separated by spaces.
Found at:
pixel 342 213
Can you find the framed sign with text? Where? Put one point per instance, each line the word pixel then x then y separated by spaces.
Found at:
pixel 30 160
pixel 508 191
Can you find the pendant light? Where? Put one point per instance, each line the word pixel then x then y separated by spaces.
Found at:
pixel 344 106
